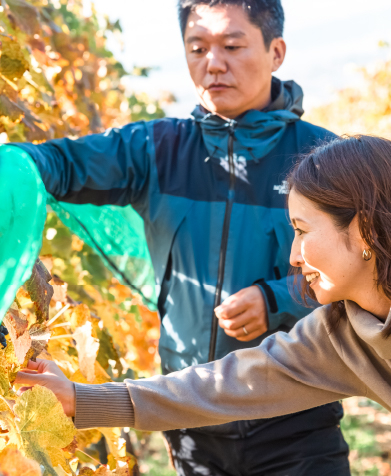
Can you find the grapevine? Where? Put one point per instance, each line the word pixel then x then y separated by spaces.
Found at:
pixel 57 78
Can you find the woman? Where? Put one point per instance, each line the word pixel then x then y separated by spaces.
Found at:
pixel 340 207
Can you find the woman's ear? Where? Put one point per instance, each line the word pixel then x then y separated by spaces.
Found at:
pixel 356 241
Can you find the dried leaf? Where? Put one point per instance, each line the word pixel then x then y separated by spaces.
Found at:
pixel 40 290
pixel 40 336
pixel 87 348
pixel 13 463
pixel 60 290
pixel 16 323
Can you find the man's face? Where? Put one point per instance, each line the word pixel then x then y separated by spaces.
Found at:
pixel 228 61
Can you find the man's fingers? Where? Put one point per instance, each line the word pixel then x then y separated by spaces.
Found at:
pixel 236 322
pixel 231 307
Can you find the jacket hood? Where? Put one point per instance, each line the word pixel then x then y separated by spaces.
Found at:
pixel 369 328
pixel 287 96
pixel 256 133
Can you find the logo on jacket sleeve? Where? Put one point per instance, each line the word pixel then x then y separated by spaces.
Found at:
pixel 282 189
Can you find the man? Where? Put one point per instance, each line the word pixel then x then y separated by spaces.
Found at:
pixel 211 192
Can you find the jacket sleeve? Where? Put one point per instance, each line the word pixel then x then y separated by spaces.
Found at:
pixel 111 168
pixel 284 304
pixel 287 373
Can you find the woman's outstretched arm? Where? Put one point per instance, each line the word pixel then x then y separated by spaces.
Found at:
pixel 287 373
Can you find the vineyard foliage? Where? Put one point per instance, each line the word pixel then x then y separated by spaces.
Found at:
pixel 364 109
pixel 57 78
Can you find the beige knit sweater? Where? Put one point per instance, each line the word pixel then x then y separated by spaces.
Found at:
pixel 287 373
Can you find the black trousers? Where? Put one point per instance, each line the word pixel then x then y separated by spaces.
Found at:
pixel 296 445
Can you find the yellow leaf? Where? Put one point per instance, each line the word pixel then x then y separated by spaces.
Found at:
pixel 103 471
pixel 100 376
pixel 12 61
pixel 80 315
pixel 13 463
pixel 43 425
pixel 87 348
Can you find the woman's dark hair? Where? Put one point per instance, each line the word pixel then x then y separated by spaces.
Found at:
pixel 345 178
pixel 267 15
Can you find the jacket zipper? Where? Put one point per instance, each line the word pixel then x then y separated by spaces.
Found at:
pixel 224 240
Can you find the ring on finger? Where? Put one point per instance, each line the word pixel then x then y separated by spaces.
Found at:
pixel 245 331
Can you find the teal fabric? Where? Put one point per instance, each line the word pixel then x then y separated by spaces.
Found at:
pixel 22 219
pixel 256 133
pixel 117 235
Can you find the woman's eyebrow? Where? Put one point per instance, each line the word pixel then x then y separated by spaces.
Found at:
pixel 297 219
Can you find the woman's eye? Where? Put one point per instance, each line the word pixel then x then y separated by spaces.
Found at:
pixel 232 48
pixel 298 231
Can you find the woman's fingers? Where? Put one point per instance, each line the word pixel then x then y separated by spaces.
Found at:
pixel 34 365
pixel 29 378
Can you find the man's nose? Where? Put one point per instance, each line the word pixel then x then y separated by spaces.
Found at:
pixel 216 62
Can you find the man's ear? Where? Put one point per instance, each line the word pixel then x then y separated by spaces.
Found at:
pixel 278 51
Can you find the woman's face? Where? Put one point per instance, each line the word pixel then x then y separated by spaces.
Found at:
pixel 330 259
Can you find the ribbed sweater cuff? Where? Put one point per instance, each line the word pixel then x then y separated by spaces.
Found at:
pixel 107 405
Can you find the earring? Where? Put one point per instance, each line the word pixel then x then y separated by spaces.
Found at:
pixel 367 255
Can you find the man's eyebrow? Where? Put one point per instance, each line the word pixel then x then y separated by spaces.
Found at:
pixel 192 39
pixel 234 34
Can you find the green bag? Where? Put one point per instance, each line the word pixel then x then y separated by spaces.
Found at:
pixel 22 219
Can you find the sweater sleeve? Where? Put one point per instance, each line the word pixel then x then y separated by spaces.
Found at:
pixel 287 373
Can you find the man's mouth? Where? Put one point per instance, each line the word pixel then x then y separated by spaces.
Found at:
pixel 218 87
pixel 311 278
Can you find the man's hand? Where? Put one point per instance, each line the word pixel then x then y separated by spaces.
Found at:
pixel 244 314
pixel 47 374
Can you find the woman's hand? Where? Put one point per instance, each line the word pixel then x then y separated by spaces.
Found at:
pixel 47 374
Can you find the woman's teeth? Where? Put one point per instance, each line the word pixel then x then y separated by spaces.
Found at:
pixel 311 277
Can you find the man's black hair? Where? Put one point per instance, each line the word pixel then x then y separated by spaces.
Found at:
pixel 267 15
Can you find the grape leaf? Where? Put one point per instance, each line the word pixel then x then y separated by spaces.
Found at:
pixel 103 471
pixel 9 109
pixel 40 336
pixel 43 425
pixel 40 290
pixel 80 315
pixel 25 15
pixel 87 348
pixel 13 463
pixel 17 324
pixel 12 61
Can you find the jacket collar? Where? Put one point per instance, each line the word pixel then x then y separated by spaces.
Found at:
pixel 369 328
pixel 256 133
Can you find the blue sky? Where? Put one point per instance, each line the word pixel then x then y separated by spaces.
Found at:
pixel 327 40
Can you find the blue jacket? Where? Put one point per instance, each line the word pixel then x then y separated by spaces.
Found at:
pixel 213 199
